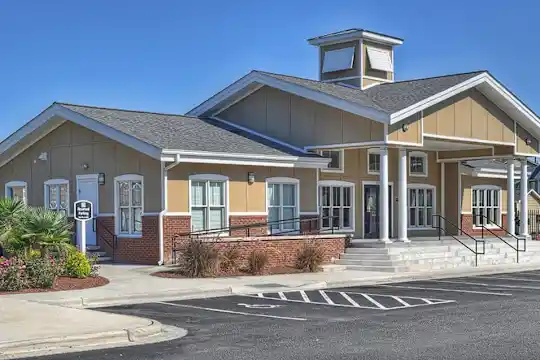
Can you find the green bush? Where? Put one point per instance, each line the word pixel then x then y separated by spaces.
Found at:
pixel 41 273
pixel 257 261
pixel 310 257
pixel 199 259
pixel 77 265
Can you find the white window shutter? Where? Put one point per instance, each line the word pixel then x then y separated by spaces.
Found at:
pixel 380 59
pixel 336 60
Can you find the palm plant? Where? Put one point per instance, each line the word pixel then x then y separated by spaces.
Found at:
pixel 11 213
pixel 46 229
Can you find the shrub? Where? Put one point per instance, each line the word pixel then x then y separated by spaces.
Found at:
pixel 229 259
pixel 94 265
pixel 310 257
pixel 12 275
pixel 77 265
pixel 199 259
pixel 41 273
pixel 257 261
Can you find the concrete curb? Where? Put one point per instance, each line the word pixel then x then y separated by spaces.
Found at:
pixel 153 332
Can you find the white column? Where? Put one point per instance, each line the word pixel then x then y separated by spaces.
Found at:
pixel 523 192
pixel 384 197
pixel 510 186
pixel 402 197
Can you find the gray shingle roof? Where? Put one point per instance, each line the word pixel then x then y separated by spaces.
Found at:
pixel 350 31
pixel 178 132
pixel 393 97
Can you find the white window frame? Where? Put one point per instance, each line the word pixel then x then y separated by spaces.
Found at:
pixel 372 52
pixel 338 183
pixel 341 168
pixel 14 184
pixel 422 155
pixel 118 179
pixel 369 152
pixel 339 59
pixel 499 217
pixel 433 206
pixel 56 182
pixel 212 177
pixel 284 181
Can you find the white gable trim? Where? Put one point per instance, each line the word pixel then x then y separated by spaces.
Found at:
pixel 256 77
pixel 69 115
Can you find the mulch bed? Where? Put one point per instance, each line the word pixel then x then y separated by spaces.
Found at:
pixel 66 283
pixel 278 270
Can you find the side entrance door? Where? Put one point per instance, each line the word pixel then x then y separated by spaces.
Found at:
pixel 87 189
pixel 371 211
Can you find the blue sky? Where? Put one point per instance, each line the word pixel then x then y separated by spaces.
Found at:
pixel 168 56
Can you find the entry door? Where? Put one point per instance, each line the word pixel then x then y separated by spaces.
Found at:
pixel 371 211
pixel 87 189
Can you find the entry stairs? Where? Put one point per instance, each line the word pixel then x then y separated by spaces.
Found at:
pixel 425 254
pixel 101 256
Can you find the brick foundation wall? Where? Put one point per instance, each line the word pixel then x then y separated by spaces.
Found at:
pixel 248 220
pixel 173 225
pixel 467 226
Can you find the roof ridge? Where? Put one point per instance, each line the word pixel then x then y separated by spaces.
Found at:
pixel 435 77
pixel 127 110
pixel 292 76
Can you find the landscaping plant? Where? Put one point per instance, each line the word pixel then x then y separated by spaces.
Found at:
pixel 41 273
pixel 199 258
pixel 229 259
pixel 310 257
pixel 12 275
pixel 257 261
pixel 77 265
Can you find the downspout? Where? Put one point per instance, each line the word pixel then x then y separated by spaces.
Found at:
pixel 164 206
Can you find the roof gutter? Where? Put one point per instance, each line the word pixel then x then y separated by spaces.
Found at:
pixel 164 206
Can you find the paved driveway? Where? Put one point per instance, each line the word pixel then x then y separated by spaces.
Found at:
pixel 481 317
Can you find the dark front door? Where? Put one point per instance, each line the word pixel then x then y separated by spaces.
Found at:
pixel 371 211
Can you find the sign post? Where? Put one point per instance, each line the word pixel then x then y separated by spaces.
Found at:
pixel 83 211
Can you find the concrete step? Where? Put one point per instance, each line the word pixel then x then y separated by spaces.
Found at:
pixel 97 253
pixel 393 269
pixel 103 259
pixel 93 247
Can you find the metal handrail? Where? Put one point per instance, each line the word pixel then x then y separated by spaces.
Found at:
pixel 476 241
pixel 111 233
pixel 516 249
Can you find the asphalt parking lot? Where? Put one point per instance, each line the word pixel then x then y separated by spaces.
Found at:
pixel 487 317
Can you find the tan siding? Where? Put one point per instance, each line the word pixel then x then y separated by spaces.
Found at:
pixel 243 197
pixel 413 133
pixel 464 154
pixel 68 148
pixel 521 144
pixel 299 121
pixel 533 203
pixel 467 182
pixel 368 82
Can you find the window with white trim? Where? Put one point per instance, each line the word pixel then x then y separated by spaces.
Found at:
pixel 486 208
pixel 283 198
pixel 418 163
pixel 337 162
pixel 129 198
pixel 340 59
pixel 16 190
pixel 57 195
pixel 421 201
pixel 374 161
pixel 337 205
pixel 208 202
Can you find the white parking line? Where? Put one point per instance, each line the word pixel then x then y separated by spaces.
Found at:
pixel 314 302
pixel 443 289
pixel 373 301
pixel 487 285
pixel 304 296
pixel 401 301
pixel 231 312
pixel 325 297
pixel 348 298
pixel 506 278
pixel 282 296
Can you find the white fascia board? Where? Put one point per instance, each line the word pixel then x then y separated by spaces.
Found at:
pixel 317 96
pixel 355 35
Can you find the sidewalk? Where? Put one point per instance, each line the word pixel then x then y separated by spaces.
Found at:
pixel 32 328
pixel 131 284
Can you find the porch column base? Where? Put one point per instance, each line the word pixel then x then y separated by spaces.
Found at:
pixel 385 241
pixel 405 240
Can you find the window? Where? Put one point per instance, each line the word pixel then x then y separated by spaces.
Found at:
pixel 486 205
pixel 418 163
pixel 337 163
pixel 421 206
pixel 282 199
pixel 57 195
pixel 380 59
pixel 336 60
pixel 208 199
pixel 374 161
pixel 336 200
pixel 16 190
pixel 128 199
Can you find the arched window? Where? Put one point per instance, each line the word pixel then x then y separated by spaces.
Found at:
pixel 57 195
pixel 283 203
pixel 336 199
pixel 486 205
pixel 209 201
pixel 128 204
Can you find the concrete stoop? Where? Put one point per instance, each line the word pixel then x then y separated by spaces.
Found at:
pixel 427 255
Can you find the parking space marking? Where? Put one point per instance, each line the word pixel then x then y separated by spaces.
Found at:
pixel 353 299
pixel 443 289
pixel 506 278
pixel 488 285
pixel 231 312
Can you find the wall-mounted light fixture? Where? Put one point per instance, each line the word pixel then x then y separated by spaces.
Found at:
pixel 405 127
pixel 528 141
pixel 251 178
pixel 101 178
pixel 85 166
pixel 43 156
